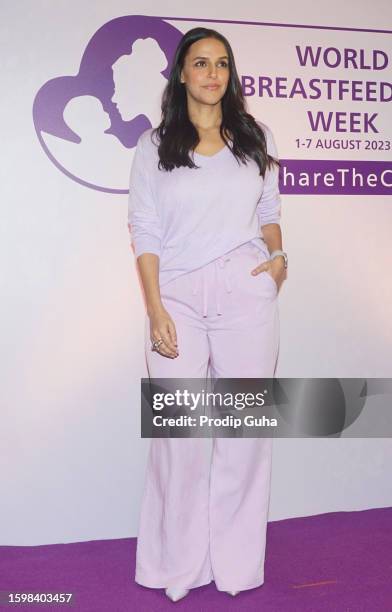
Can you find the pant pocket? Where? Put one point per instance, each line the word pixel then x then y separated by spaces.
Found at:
pixel 262 257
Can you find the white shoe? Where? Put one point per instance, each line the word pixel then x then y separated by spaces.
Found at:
pixel 175 594
pixel 233 592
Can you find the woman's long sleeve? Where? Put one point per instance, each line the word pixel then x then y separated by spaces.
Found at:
pixel 143 220
pixel 269 205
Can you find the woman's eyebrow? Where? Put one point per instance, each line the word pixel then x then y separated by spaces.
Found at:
pixel 202 57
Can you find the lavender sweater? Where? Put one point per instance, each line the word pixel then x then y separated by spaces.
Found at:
pixel 190 216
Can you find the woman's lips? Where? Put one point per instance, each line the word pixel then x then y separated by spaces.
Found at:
pixel 212 87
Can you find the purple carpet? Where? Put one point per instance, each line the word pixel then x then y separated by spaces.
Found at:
pixel 337 562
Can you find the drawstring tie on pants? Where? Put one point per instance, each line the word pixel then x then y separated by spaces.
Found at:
pixel 219 264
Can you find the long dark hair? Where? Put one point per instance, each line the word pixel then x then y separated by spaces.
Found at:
pixel 178 135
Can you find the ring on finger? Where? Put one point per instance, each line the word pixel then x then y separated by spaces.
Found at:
pixel 156 344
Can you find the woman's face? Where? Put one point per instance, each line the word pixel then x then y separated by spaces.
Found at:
pixel 206 70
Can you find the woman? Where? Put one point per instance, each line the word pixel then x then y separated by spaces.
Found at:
pixel 204 212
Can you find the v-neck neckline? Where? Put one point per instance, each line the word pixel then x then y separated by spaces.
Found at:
pixel 206 157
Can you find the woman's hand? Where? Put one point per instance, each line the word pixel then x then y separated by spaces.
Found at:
pixel 275 268
pixel 162 326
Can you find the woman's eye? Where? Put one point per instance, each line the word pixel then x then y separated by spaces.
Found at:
pixel 224 64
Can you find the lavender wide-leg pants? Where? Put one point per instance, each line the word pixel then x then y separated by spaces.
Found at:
pixel 204 512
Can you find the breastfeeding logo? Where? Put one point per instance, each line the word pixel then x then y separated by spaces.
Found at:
pixel 88 123
pixel 87 120
pixel 266 407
